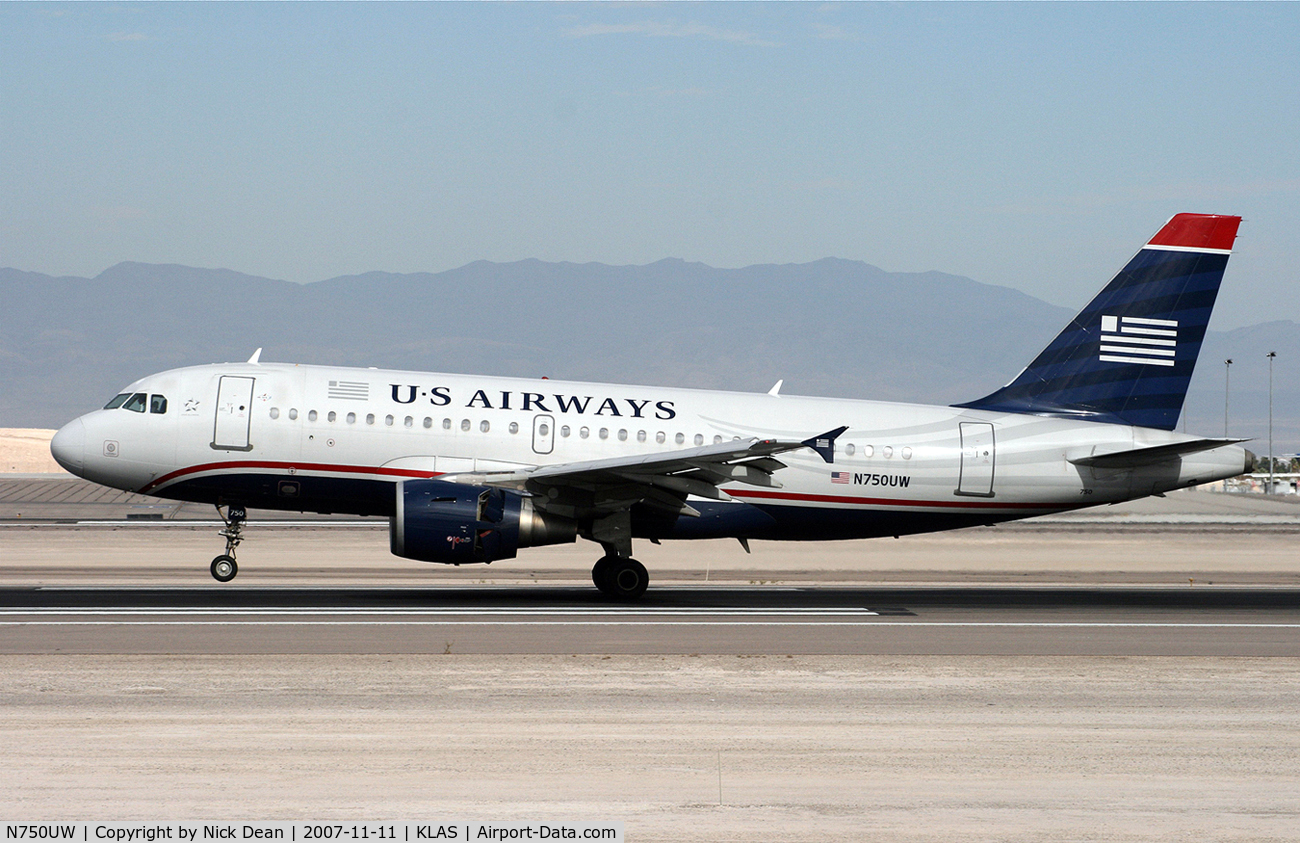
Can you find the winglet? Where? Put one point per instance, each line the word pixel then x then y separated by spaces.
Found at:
pixel 824 443
pixel 776 388
pixel 256 354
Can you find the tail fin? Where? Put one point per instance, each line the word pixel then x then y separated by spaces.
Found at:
pixel 1128 356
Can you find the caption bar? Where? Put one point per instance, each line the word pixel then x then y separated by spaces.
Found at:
pixel 293 832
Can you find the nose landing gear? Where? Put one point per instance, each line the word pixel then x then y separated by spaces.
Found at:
pixel 224 567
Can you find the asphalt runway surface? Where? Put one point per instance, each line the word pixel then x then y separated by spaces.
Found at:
pixel 1212 575
pixel 560 620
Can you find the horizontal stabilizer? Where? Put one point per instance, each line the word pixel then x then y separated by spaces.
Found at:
pixel 1150 456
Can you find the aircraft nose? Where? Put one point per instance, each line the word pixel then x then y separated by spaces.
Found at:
pixel 69 446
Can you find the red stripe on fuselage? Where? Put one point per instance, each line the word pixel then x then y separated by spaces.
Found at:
pixel 856 501
pixel 286 466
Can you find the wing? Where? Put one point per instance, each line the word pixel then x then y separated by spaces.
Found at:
pixel 603 492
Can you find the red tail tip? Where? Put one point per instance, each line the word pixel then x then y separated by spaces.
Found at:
pixel 1198 231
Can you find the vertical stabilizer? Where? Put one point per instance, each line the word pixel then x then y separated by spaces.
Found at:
pixel 1128 356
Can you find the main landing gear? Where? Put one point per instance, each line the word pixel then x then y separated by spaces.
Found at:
pixel 224 567
pixel 621 577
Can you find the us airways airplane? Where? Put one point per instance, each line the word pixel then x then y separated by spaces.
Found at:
pixel 470 469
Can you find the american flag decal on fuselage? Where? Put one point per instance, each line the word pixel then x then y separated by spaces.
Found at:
pixel 352 390
pixel 1132 339
pixel 839 477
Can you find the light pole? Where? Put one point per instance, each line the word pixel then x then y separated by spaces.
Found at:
pixel 1227 375
pixel 1270 357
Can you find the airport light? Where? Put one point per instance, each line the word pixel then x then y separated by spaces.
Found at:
pixel 1270 357
pixel 1227 373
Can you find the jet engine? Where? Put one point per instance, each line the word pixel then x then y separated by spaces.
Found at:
pixel 456 524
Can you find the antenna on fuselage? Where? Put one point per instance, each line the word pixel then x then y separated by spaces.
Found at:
pixel 256 354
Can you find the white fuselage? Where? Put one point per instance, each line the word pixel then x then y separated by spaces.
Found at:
pixel 316 438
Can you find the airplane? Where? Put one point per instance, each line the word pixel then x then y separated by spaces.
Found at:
pixel 470 469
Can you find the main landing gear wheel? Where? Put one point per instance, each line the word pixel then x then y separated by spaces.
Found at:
pixel 623 578
pixel 224 568
pixel 600 572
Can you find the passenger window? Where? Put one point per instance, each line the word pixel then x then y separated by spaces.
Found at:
pixel 514 427
pixel 464 424
pixel 157 404
pixel 428 422
pixel 679 438
pixel 311 415
pixel 332 416
pixel 352 418
pixel 564 431
pixel 484 426
pixel 622 436
pixel 604 433
pixel 660 437
pixel 117 401
pixel 370 418
pixel 135 403
pixel 408 422
pixel 388 421
pixel 849 449
pixel 640 436
pixel 699 439
pixel 293 414
pixel 446 424
pixel 275 412
pixel 583 432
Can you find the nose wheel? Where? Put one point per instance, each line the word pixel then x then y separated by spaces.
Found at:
pixel 224 567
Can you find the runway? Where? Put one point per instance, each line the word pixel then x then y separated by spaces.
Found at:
pixel 1129 677
pixel 481 619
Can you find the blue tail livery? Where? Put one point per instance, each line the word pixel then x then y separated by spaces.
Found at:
pixel 1128 356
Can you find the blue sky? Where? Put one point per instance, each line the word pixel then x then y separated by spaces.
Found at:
pixel 1029 145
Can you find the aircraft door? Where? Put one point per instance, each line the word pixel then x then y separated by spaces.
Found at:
pixel 543 434
pixel 977 459
pixel 234 413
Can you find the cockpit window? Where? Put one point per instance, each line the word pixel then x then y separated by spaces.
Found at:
pixel 136 403
pixel 117 401
pixel 157 404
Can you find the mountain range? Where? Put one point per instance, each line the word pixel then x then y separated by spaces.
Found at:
pixel 830 327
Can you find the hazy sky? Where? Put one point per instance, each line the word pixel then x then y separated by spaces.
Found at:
pixel 1030 145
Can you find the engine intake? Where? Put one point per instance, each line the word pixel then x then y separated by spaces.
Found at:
pixel 457 524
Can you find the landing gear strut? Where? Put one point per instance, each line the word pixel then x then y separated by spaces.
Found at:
pixel 621 577
pixel 224 567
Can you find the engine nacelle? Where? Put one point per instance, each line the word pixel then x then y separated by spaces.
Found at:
pixel 458 524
